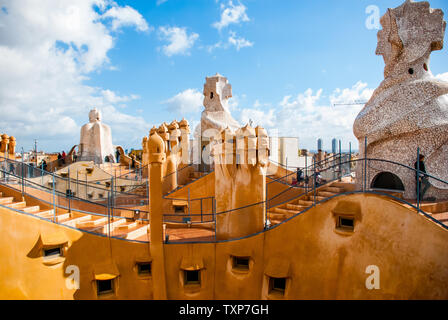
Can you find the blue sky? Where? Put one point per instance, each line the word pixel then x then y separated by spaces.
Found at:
pixel 286 60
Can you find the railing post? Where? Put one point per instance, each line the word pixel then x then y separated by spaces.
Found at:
pixel 108 213
pixel 54 200
pixel 23 186
pixel 340 161
pixel 365 165
pixel 314 180
pixel 214 213
pixel 112 197
pixel 201 211
pixel 69 190
pixel 306 172
pixel 350 157
pixel 418 178
pixel 189 209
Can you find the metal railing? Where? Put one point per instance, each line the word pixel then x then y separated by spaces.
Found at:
pixel 365 171
pixel 192 211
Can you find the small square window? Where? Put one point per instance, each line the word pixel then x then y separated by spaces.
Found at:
pixel 241 263
pixel 144 268
pixel 104 286
pixel 179 209
pixel 346 223
pixel 53 252
pixel 277 285
pixel 192 276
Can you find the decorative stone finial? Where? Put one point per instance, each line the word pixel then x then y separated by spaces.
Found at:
pixel 12 145
pixel 410 33
pixel 94 115
pixel 156 149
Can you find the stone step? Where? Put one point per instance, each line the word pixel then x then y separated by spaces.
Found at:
pixel 333 189
pixel 45 214
pixel 16 205
pixel 318 198
pixel 127 226
pixel 89 223
pixel 284 211
pixel 137 233
pixel 62 217
pixel 110 226
pixel 342 185
pixel 6 200
pixel 326 194
pixel 295 207
pixel 275 221
pixel 277 216
pixel 75 221
pixel 305 203
pixel 443 216
pixel 32 209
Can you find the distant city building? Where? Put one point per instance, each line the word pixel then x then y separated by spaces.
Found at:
pixel 319 144
pixel 333 146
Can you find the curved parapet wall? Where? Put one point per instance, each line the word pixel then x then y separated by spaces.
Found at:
pixel 391 252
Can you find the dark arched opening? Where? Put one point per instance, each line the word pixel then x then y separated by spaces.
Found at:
pixel 387 180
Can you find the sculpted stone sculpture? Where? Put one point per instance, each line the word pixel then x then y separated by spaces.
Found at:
pixel 241 161
pixel 96 140
pixel 4 143
pixel 410 107
pixel 12 145
pixel 217 92
pixel 216 115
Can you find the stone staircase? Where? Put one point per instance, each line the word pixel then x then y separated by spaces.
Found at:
pixel 10 202
pixel 117 226
pixel 438 211
pixel 195 175
pixel 284 211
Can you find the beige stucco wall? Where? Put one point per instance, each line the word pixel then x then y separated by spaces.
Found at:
pixel 410 251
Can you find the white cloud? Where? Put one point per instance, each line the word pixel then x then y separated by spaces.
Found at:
pixel 308 117
pixel 185 102
pixel 180 42
pixel 231 14
pixel 113 98
pixel 125 16
pixel 239 42
pixel 232 40
pixel 48 48
pixel 443 76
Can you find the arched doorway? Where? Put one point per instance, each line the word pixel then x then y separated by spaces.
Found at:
pixel 387 180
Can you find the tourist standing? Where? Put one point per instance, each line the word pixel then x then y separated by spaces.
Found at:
pixel 299 176
pixel 63 157
pixel 421 177
pixel 117 155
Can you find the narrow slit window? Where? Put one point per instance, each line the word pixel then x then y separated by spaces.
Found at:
pixel 277 285
pixel 104 286
pixel 144 268
pixel 192 277
pixel 53 252
pixel 346 223
pixel 211 95
pixel 241 263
